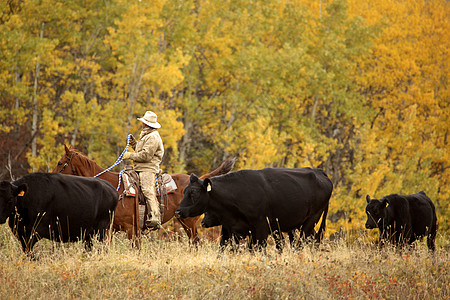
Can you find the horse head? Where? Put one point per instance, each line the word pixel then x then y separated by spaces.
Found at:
pixel 75 163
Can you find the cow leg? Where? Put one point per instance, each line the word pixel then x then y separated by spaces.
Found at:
pixel 258 239
pixel 252 244
pixel 291 237
pixel 228 238
pixel 27 244
pixel 279 240
pixel 293 240
pixel 430 242
pixel 102 230
pixel 401 237
pixel 431 236
pixel 413 238
pixel 27 241
pixel 382 238
pixel 307 230
pixel 258 245
pixel 235 240
pixel 224 239
pixel 406 235
pixel 88 243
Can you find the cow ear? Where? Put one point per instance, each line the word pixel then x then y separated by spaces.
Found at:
pixel 385 203
pixel 193 178
pixel 367 198
pixel 207 184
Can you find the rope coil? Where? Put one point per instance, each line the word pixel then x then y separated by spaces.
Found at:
pixel 118 161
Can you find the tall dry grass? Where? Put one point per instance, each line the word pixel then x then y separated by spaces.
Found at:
pixel 171 269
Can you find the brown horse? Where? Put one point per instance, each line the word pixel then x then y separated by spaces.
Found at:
pixel 126 217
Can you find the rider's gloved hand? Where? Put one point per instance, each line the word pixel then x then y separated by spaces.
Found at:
pixel 126 155
pixel 133 141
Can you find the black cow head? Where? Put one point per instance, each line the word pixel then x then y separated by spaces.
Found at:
pixel 195 199
pixel 376 212
pixel 8 198
pixel 210 220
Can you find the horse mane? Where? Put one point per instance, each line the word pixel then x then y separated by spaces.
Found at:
pixel 86 162
pixel 224 168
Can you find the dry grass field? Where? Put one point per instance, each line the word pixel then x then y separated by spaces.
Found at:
pixel 165 269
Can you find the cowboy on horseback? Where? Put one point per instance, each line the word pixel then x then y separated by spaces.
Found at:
pixel 147 158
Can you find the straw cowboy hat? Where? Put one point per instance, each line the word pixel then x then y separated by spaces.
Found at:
pixel 150 119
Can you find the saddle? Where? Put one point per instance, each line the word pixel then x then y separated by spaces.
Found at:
pixel 167 184
pixel 131 183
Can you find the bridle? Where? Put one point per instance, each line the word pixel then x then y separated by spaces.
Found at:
pixel 118 161
pixel 69 160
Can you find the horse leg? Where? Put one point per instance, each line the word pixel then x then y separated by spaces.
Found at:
pixel 133 236
pixel 126 218
pixel 190 226
pixel 127 226
pixel 136 225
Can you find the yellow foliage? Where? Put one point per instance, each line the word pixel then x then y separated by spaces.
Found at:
pixel 357 88
pixel 262 146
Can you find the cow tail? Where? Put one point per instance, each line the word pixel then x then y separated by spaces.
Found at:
pixel 319 234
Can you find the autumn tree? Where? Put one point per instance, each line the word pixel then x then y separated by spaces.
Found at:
pixel 404 145
pixel 356 88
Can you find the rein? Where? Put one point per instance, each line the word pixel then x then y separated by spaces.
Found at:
pixel 118 161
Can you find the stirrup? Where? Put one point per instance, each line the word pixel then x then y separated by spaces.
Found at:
pixel 153 224
pixel 154 228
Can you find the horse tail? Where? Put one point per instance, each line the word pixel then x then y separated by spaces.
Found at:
pixel 224 168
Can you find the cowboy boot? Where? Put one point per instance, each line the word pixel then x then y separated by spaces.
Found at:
pixel 154 220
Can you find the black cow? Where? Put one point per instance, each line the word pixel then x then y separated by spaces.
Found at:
pixel 211 220
pixel 57 207
pixel 403 218
pixel 260 202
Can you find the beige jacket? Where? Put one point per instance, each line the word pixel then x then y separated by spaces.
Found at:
pixel 149 151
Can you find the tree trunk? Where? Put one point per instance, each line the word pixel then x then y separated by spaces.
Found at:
pixel 133 91
pixel 313 111
pixel 35 125
pixel 186 141
pixel 75 133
